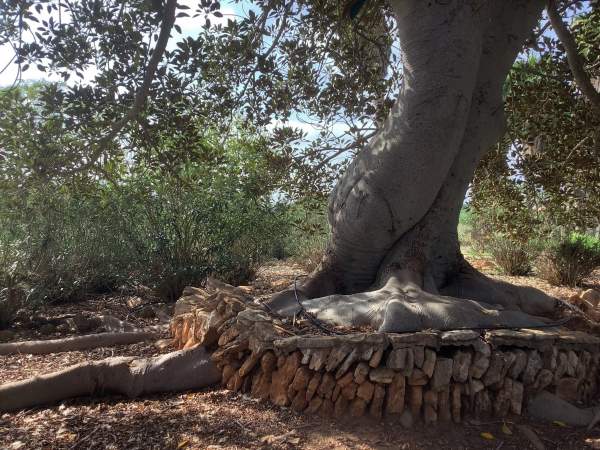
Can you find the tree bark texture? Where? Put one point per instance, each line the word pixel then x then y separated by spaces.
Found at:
pixel 394 213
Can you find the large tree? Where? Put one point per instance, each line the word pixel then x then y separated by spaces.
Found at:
pixel 418 127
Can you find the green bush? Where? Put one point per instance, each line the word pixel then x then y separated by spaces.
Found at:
pixel 568 261
pixel 512 257
pixel 164 229
pixel 308 233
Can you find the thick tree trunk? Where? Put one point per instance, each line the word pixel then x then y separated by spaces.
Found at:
pixel 394 213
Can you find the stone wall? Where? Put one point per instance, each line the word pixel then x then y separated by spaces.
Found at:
pixel 430 376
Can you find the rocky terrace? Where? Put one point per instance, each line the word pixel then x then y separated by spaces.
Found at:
pixel 429 376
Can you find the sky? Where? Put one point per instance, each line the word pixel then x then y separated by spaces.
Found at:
pixel 190 26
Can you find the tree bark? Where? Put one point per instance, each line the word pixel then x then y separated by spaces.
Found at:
pixel 394 213
pixel 173 372
pixel 75 343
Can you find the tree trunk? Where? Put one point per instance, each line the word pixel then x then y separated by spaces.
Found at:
pixel 394 213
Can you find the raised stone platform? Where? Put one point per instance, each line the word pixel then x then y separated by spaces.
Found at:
pixel 430 376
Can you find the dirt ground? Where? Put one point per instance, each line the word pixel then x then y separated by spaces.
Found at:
pixel 219 419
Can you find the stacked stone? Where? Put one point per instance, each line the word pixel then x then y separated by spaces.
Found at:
pixel 429 376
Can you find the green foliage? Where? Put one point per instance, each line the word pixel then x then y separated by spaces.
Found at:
pixel 309 233
pixel 545 173
pixel 513 258
pixel 161 221
pixel 569 260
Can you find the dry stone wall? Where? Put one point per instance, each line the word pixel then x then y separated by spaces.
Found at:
pixel 428 376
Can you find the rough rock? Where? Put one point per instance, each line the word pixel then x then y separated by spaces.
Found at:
pixel 442 373
pixel 301 379
pixel 326 387
pixel 416 400
pixel 429 362
pixel 327 408
pixel 336 392
pixel 476 386
pixel 421 338
pixel 419 356
pixel 456 402
pixel 418 378
pixel 361 372
pixel 249 364
pixel 516 399
pixel 376 408
pixel 443 402
pixel 430 402
pixel 336 356
pixel 314 405
pixel 313 385
pixel 299 402
pixel 268 362
pixel 349 391
pixel 534 365
pixel 543 380
pixel 226 373
pixel 561 367
pixel 346 379
pixel 494 373
pixel 261 386
pixel 318 358
pixel 406 419
pixel 395 395
pixel 483 403
pixel 365 391
pixel 573 361
pixel 567 389
pixel 461 365
pixel 376 358
pixel 350 359
pixel 591 296
pixel 358 407
pixel 397 358
pixel 519 364
pixel 341 406
pixel 381 375
pixel 282 378
pixel 480 365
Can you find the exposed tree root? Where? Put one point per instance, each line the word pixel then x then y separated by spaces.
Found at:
pixel 549 407
pixel 176 371
pixel 79 342
pixel 403 305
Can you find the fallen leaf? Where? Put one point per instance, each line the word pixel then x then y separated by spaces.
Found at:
pixel 559 423
pixel 505 429
pixel 183 444
pixel 488 436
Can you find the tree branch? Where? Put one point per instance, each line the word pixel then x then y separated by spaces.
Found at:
pixel 142 93
pixel 574 59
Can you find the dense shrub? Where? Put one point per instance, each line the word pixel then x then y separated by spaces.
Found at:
pixel 308 233
pixel 568 261
pixel 164 229
pixel 512 257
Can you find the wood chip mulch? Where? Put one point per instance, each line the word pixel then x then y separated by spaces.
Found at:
pixel 219 419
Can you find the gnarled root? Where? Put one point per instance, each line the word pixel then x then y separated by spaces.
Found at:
pixel 75 343
pixel 403 305
pixel 176 371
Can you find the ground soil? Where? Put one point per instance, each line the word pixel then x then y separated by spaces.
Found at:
pixel 219 419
